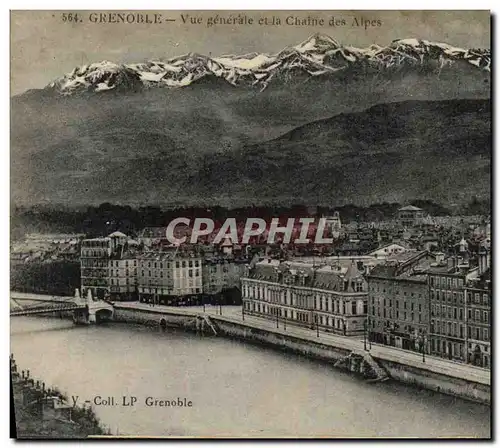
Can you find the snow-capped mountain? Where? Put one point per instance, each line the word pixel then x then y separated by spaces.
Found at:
pixel 318 55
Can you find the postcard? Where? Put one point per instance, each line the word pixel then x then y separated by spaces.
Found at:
pixel 250 224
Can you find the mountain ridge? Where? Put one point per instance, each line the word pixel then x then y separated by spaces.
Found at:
pixel 319 55
pixel 392 152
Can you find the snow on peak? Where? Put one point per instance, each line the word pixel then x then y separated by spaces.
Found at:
pixel 317 42
pixel 317 55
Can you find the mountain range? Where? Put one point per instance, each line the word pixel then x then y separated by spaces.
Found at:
pixel 317 123
pixel 318 56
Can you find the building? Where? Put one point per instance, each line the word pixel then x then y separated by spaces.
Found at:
pixel 398 306
pixel 102 271
pixel 330 298
pixel 447 281
pixel 94 262
pixel 409 215
pixel 123 276
pixel 170 276
pixel 388 250
pixel 222 273
pixel 478 306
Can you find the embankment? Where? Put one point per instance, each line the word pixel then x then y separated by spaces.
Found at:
pixel 450 381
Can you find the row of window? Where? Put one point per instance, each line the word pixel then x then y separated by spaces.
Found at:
pixel 94 253
pixel 477 333
pixel 455 297
pixel 95 243
pixel 190 274
pixel 163 291
pixel 128 273
pixel 94 263
pixel 376 288
pixel 388 302
pixel 118 282
pixel 295 315
pixel 395 314
pixel 447 328
pixel 117 263
pixel 477 298
pixel 303 301
pixel 446 282
pixel 168 265
pixel 447 312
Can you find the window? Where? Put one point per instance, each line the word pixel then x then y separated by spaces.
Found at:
pixel 486 335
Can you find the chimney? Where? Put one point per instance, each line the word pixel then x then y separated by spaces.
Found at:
pixel 483 261
pixel 451 263
pixel 439 257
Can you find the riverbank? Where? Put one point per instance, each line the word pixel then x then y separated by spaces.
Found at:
pixel 435 374
pixel 44 413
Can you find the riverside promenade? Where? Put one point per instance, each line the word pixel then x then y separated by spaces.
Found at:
pixel 441 375
pixel 233 314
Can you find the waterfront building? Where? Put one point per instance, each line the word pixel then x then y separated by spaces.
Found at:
pixel 169 276
pixel 447 281
pixel 330 297
pixel 409 215
pixel 478 306
pixel 398 305
pixel 221 273
pixel 123 276
pixel 106 267
pixel 94 262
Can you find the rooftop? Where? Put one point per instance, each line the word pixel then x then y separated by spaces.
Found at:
pixel 410 208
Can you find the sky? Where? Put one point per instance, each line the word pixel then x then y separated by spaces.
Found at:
pixel 43 47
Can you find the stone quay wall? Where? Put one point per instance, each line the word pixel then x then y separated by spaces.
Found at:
pixel 418 376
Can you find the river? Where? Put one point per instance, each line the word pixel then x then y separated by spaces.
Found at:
pixel 236 390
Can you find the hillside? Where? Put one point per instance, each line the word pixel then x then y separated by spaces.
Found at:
pixel 175 149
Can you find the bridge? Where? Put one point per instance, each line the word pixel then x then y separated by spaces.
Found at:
pixel 86 310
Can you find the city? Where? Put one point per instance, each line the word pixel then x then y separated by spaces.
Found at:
pixel 251 224
pixel 417 282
